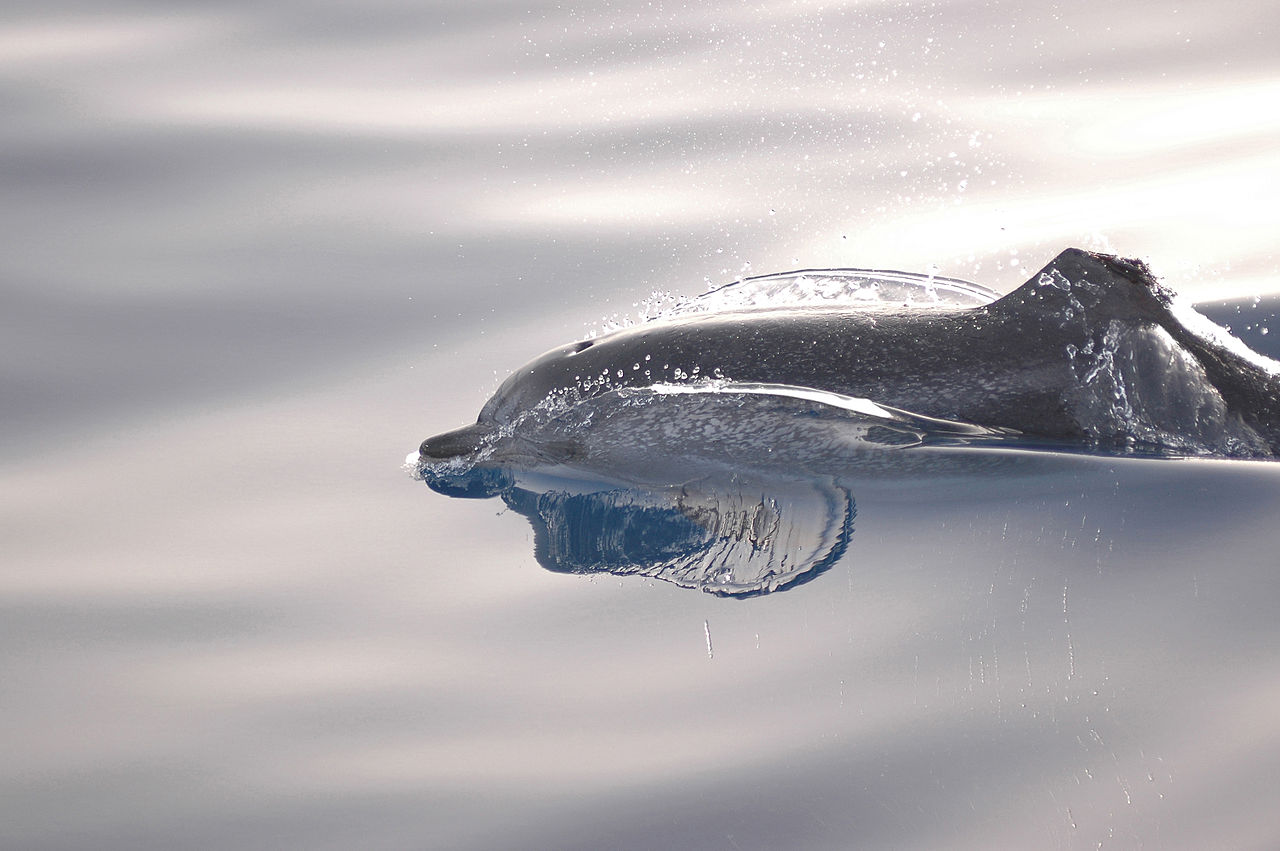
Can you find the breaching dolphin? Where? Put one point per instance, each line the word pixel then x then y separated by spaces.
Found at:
pixel 1090 350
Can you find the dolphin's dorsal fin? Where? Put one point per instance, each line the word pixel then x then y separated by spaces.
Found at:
pixel 1078 284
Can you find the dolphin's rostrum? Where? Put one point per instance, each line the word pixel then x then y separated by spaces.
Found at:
pixel 1091 350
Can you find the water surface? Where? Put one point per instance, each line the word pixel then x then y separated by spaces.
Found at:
pixel 253 255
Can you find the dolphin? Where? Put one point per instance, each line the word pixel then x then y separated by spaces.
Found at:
pixel 1092 350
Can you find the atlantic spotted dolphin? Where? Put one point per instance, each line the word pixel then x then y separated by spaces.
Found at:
pixel 1090 350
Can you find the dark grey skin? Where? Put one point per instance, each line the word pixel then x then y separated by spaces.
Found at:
pixel 1042 361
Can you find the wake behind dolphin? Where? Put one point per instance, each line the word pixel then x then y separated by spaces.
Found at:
pixel 1091 352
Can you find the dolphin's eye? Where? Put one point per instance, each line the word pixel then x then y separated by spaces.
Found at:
pixel 580 346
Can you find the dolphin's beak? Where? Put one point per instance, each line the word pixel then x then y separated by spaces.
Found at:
pixel 454 444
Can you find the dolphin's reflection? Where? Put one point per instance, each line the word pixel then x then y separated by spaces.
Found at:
pixel 734 493
pixel 721 537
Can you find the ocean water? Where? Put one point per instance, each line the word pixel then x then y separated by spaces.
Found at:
pixel 253 255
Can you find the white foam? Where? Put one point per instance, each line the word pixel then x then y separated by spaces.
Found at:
pixel 1209 331
pixel 834 400
pixel 870 289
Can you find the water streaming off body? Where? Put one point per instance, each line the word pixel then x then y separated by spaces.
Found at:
pixel 253 254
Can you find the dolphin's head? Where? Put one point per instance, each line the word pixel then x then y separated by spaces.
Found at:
pixel 563 369
pixel 558 371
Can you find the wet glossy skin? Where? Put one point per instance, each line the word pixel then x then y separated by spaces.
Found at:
pixel 1009 364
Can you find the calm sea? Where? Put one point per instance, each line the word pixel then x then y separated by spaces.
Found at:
pixel 254 253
